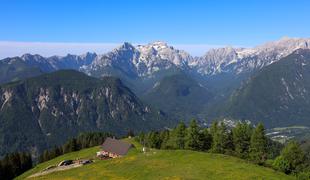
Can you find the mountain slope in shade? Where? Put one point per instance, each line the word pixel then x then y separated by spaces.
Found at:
pixel 278 95
pixel 46 110
pixel 15 69
pixel 28 65
pixel 178 95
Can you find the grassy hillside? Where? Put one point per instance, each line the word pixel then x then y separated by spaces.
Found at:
pixel 159 164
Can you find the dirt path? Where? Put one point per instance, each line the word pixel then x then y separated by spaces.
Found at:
pixel 58 168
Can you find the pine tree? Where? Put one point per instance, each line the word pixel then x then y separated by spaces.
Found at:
pixel 213 128
pixel 26 161
pixel 46 155
pixel 294 155
pixel 164 136
pixel 7 168
pixel 193 136
pixel 74 145
pixel 180 133
pixel 154 140
pixel 205 139
pixel 221 140
pixel 241 139
pixel 258 150
pixel 141 138
pixel 14 160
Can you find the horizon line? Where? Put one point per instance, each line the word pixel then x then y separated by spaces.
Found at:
pixel 47 49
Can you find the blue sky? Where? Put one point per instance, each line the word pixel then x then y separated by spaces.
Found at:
pixel 209 22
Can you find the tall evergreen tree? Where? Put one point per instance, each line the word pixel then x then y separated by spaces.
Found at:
pixel 25 161
pixel 46 155
pixel 141 138
pixel 258 150
pixel 14 160
pixel 205 140
pixel 213 128
pixel 193 136
pixel 294 155
pixel 221 139
pixel 241 139
pixel 180 133
pixel 164 136
pixel 154 140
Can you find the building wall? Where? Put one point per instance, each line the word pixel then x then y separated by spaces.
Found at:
pixel 109 154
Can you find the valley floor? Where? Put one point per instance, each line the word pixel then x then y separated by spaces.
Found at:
pixel 158 164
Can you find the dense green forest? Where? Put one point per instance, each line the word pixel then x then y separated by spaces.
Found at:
pixel 15 164
pixel 243 141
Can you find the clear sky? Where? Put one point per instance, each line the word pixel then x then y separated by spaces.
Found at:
pixel 181 22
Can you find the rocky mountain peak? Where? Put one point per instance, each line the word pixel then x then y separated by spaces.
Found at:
pixel 126 46
pixel 29 56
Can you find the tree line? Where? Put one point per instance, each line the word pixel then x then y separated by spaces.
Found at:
pixel 84 140
pixel 243 141
pixel 15 164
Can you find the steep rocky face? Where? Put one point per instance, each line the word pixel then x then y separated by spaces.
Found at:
pixel 46 110
pixel 215 61
pixel 278 95
pixel 244 60
pixel 140 66
pixel 141 60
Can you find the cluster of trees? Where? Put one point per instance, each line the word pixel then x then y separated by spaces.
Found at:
pixel 292 160
pixel 243 140
pixel 84 140
pixel 14 164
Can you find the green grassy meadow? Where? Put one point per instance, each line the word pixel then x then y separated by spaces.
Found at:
pixel 158 164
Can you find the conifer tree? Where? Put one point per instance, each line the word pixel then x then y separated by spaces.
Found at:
pixel 221 141
pixel 193 136
pixel 291 160
pixel 258 144
pixel 205 140
pixel 241 139
pixel 180 133
pixel 164 136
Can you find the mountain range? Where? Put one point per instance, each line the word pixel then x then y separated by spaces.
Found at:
pixel 154 85
pixel 279 94
pixel 43 111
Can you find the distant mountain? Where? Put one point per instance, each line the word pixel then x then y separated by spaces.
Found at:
pixel 179 95
pixel 28 65
pixel 140 67
pixel 141 60
pixel 278 95
pixel 13 69
pixel 59 62
pixel 221 69
pixel 44 111
pixel 242 60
